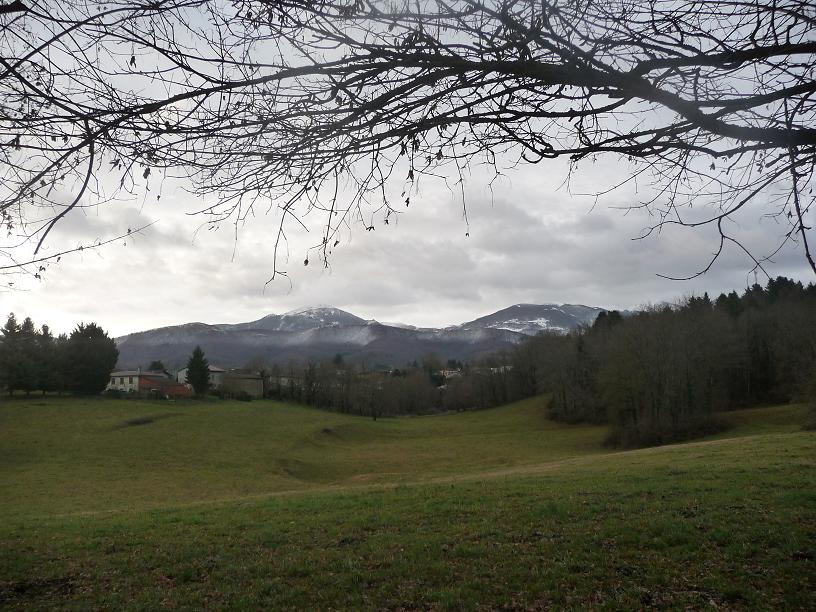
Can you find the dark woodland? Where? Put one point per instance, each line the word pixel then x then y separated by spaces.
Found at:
pixel 657 376
pixel 33 359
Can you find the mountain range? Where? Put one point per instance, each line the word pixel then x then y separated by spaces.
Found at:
pixel 324 331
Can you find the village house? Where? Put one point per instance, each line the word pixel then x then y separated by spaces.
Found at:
pixel 216 377
pixel 446 374
pixel 157 384
pixel 236 382
pixel 124 380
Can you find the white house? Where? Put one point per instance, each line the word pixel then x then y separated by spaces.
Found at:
pixel 145 382
pixel 125 380
pixel 216 376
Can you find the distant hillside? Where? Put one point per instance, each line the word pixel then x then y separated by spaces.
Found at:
pixel 302 319
pixel 531 319
pixel 323 332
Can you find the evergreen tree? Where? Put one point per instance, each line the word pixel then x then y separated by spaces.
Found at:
pixel 156 366
pixel 198 372
pixel 731 304
pixel 90 358
pixel 28 365
pixel 47 361
pixel 10 354
pixel 61 363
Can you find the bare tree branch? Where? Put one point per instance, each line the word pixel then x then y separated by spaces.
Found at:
pixel 341 107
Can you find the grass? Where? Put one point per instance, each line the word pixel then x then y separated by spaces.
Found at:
pixel 90 455
pixel 262 505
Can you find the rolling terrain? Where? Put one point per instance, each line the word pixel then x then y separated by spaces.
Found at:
pixel 142 505
pixel 323 332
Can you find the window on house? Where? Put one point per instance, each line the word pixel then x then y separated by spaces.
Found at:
pixel 113 380
pixel 121 380
pixel 130 380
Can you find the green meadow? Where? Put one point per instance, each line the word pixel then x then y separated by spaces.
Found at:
pixel 150 505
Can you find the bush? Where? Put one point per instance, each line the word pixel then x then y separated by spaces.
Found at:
pixel 810 419
pixel 639 437
pixel 241 396
pixel 809 397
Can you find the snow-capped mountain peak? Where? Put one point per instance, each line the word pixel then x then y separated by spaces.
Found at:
pixel 322 332
pixel 311 311
pixel 531 319
pixel 302 319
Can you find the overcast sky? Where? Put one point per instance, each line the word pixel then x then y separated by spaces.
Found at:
pixel 530 241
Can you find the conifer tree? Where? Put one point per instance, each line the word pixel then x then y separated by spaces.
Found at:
pixel 156 366
pixel 10 354
pixel 198 372
pixel 27 367
pixel 47 361
pixel 90 358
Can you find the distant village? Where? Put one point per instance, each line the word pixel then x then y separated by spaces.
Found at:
pixel 230 383
pixel 164 384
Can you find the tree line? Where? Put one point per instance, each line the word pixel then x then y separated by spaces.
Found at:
pixel 33 359
pixel 655 376
pixel 661 375
pixel 358 389
pixel 425 386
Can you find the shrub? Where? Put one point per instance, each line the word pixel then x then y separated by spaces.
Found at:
pixel 656 434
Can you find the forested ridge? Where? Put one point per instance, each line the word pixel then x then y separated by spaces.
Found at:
pixel 659 375
pixel 656 376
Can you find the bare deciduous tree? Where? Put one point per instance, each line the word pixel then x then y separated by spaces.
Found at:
pixel 342 107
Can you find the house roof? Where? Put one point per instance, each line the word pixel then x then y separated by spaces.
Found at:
pixel 138 373
pixel 212 369
pixel 243 375
pixel 166 385
pixel 161 380
pixel 159 375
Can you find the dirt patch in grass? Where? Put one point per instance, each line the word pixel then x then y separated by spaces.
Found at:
pixel 59 586
pixel 146 420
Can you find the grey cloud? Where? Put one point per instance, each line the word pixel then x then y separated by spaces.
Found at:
pixel 530 241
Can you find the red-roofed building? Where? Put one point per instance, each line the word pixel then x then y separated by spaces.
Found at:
pixel 147 383
pixel 162 386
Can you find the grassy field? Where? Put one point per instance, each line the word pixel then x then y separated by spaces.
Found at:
pixel 147 505
pixel 83 455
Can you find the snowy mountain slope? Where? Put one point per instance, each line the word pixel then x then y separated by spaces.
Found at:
pixel 302 319
pixel 531 319
pixel 323 332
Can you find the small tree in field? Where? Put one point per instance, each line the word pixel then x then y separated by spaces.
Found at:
pixel 198 372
